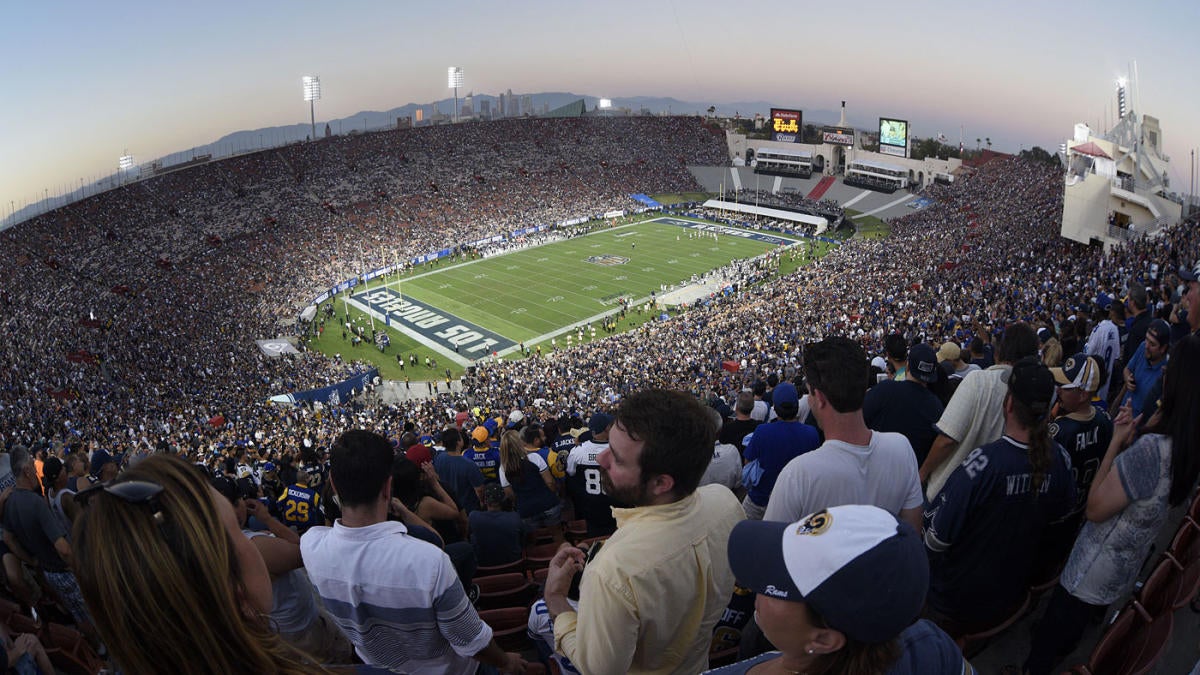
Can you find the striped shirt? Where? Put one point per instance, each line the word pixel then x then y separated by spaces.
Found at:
pixel 397 598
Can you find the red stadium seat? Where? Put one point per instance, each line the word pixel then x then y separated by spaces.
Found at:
pixel 517 565
pixel 68 650
pixel 1131 645
pixel 1157 594
pixel 540 555
pixel 505 590
pixel 972 643
pixel 509 627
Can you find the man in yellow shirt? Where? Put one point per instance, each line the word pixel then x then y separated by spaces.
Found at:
pixel 650 598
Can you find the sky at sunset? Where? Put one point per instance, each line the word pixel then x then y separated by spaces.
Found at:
pixel 85 81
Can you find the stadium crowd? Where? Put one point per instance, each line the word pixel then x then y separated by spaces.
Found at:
pixel 131 318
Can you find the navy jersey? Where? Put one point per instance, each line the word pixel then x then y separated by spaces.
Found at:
pixel 586 489
pixel 301 507
pixel 1085 441
pixel 488 461
pixel 983 528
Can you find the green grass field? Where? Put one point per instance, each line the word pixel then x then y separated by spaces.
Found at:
pixel 870 227
pixel 534 292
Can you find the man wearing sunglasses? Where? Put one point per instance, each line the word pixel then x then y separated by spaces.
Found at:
pixel 39 539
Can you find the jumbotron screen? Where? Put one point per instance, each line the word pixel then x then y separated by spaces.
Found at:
pixel 786 125
pixel 893 137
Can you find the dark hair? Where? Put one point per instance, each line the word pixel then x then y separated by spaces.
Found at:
pixel 677 433
pixel 530 432
pixel 866 658
pixel 896 347
pixel 1041 443
pixel 359 463
pixel 51 469
pixel 760 387
pixel 451 439
pixel 1019 341
pixel 406 482
pixel 1178 414
pixel 976 346
pixel 838 367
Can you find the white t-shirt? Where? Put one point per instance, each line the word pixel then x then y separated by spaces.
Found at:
pixel 725 467
pixel 760 412
pixel 534 458
pixel 882 473
pixel 974 417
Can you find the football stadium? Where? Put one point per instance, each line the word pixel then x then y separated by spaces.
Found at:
pixel 966 379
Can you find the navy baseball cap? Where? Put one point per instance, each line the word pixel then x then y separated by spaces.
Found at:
pixel 1079 372
pixel 1032 383
pixel 862 570
pixel 922 363
pixel 599 423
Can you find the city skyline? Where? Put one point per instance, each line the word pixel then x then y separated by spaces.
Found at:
pixel 90 83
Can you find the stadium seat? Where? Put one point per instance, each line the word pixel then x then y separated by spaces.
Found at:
pixel 540 555
pixel 576 530
pixel 1184 544
pixel 510 627
pixel 1131 645
pixel 545 535
pixel 1184 585
pixel 69 651
pixel 1157 594
pixel 505 590
pixel 972 643
pixel 539 576
pixel 1194 509
pixel 517 565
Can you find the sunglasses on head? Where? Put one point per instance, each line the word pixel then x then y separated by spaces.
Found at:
pixel 128 491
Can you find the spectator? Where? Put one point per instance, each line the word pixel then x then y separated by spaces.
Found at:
pixel 295 614
pixel 670 545
pixel 1139 479
pixel 823 603
pixel 462 477
pixel 584 479
pixel 526 480
pixel 725 468
pixel 775 444
pixel 908 407
pixel 384 588
pixel 180 554
pixel 975 415
pixel 39 539
pixel 735 430
pixel 497 534
pixel 854 465
pixel 1144 370
pixel 983 527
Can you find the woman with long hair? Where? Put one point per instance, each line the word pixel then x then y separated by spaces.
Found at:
pixel 171 582
pixel 1138 481
pixel 824 604
pixel 527 480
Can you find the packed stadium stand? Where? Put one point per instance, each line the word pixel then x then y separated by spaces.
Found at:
pixel 130 317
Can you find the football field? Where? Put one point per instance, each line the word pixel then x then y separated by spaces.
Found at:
pixel 469 310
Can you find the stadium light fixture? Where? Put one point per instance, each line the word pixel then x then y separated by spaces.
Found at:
pixel 605 103
pixel 1122 105
pixel 454 80
pixel 312 94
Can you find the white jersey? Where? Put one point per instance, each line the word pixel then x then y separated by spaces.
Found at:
pixel 1105 343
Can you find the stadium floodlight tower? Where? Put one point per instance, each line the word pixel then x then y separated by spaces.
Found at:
pixel 312 94
pixel 124 163
pixel 454 80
